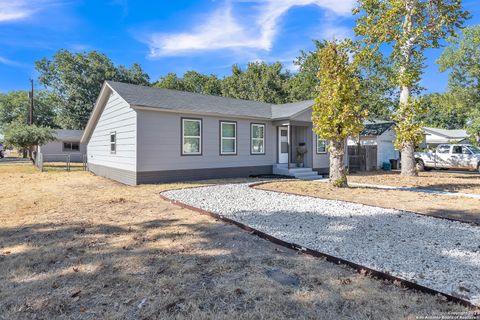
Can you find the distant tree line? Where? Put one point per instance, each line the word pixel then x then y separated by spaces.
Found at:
pixel 71 83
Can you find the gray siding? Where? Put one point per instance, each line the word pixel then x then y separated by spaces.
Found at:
pixel 322 160
pixel 120 118
pixel 159 144
pixel 123 176
pixel 53 151
pixel 200 174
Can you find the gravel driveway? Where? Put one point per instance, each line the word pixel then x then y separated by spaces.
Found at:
pixel 439 254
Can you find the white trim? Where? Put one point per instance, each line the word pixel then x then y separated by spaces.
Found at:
pixel 199 137
pixel 317 139
pixel 228 138
pixel 282 156
pixel 114 142
pixel 252 138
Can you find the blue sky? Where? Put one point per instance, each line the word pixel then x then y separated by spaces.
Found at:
pixel 174 36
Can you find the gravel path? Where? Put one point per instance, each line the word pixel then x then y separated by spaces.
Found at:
pixel 439 254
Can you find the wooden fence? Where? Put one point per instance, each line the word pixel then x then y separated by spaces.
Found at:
pixel 363 158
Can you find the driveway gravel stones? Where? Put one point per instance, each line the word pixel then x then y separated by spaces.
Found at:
pixel 440 254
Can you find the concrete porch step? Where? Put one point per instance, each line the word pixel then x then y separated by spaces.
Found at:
pixel 299 173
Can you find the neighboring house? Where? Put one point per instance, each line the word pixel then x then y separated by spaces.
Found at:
pixel 67 142
pixel 382 135
pixel 140 134
pixel 436 136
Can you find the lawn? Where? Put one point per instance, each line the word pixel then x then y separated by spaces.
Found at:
pixel 465 209
pixel 468 182
pixel 74 245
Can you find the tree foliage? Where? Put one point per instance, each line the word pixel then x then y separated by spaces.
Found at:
pixel 462 59
pixel 259 82
pixel 14 107
pixel 303 85
pixel 337 112
pixel 191 81
pixel 23 136
pixel 410 27
pixel 76 79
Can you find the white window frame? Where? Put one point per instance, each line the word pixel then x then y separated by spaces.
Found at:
pixel 252 125
pixel 199 137
pixel 316 144
pixel 114 142
pixel 228 138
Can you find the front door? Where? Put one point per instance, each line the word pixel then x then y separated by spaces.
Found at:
pixel 282 145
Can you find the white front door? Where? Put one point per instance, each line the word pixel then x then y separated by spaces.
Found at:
pixel 282 145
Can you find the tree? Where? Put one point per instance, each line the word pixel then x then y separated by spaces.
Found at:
pixel 259 82
pixel 134 75
pixel 379 94
pixel 14 108
pixel 170 81
pixel 76 79
pixel 462 59
pixel 410 26
pixel 25 137
pixel 444 110
pixel 303 85
pixel 337 112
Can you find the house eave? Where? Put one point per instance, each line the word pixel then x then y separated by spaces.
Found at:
pixel 212 114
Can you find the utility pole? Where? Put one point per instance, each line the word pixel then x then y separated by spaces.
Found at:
pixel 30 110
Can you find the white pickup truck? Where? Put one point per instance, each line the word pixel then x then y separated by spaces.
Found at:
pixel 449 156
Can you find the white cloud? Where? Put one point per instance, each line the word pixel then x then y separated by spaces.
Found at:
pixel 222 30
pixel 9 62
pixel 11 10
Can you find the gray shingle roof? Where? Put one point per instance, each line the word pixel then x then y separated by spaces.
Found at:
pixel 454 134
pixel 68 135
pixel 198 103
pixel 281 111
pixel 376 127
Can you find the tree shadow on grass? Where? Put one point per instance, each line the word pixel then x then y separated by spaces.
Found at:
pixel 169 268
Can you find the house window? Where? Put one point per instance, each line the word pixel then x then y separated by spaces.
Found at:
pixel 71 146
pixel 321 145
pixel 258 138
pixel 113 142
pixel 191 137
pixel 228 137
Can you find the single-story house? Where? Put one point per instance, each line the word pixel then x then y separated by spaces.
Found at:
pixel 436 136
pixel 380 134
pixel 139 134
pixel 67 142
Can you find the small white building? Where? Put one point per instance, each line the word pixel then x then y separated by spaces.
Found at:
pixel 67 142
pixel 380 134
pixel 436 136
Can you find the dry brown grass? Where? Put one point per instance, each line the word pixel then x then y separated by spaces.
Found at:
pixel 464 209
pixel 438 180
pixel 73 245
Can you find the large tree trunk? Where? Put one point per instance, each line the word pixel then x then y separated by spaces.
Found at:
pixel 408 160
pixel 408 149
pixel 338 178
pixel 409 167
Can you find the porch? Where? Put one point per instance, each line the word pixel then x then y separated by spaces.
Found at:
pixel 295 150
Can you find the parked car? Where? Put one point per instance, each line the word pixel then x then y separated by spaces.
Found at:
pixel 449 156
